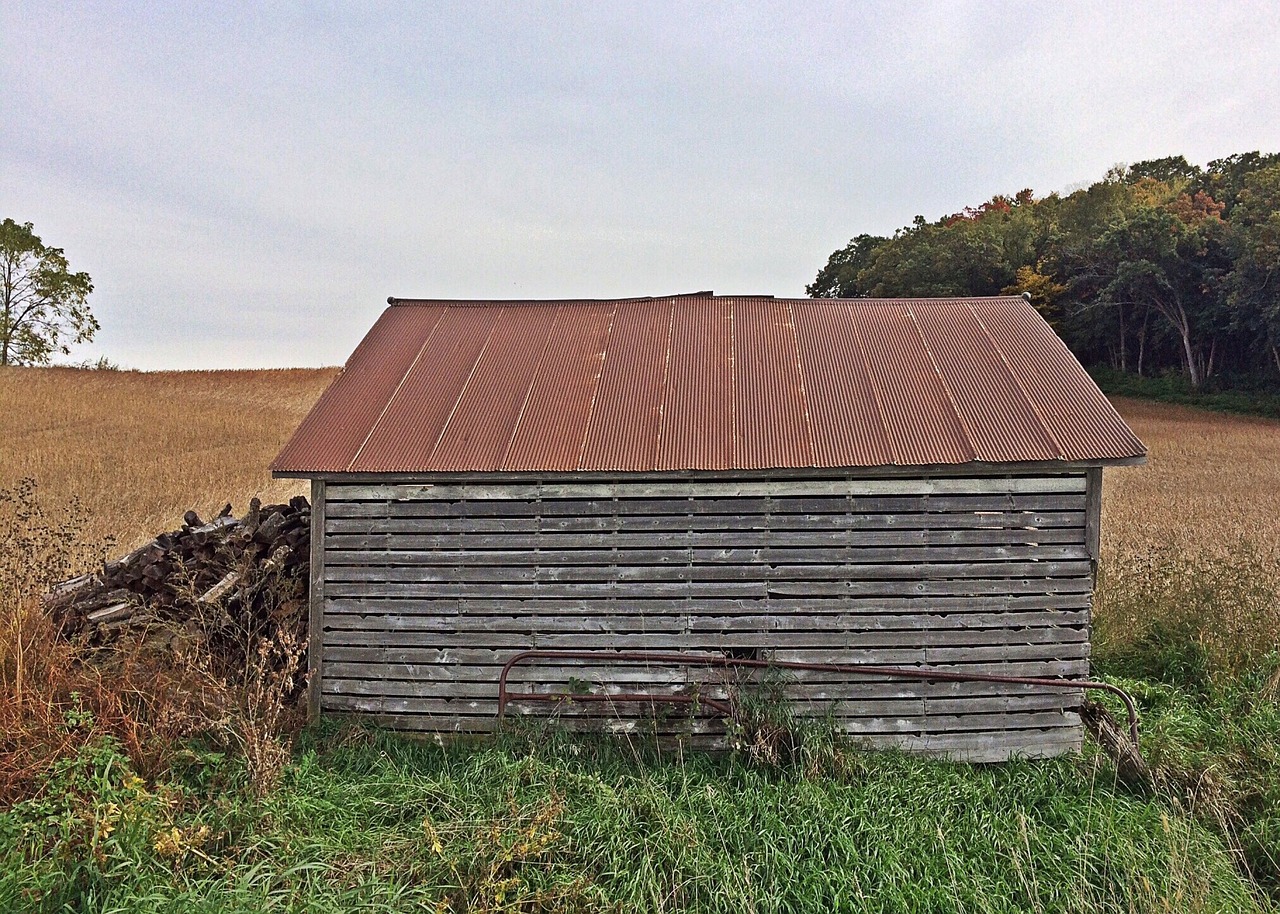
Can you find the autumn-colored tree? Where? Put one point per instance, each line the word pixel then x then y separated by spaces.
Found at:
pixel 1039 287
pixel 1161 265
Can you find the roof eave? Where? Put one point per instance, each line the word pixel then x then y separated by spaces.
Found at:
pixel 975 468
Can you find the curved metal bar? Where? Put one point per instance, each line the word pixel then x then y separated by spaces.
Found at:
pixel 504 696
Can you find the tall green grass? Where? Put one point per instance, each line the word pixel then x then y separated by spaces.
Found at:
pixel 370 821
pixel 1196 639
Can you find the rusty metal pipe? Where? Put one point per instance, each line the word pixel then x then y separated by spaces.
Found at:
pixel 732 663
pixel 610 698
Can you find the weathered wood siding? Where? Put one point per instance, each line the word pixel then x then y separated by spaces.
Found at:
pixel 428 589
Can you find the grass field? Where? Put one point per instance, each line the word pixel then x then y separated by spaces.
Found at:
pixel 1187 619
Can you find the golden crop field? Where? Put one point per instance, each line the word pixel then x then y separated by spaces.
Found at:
pixel 1211 482
pixel 139 449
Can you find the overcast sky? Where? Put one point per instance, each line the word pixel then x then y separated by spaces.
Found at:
pixel 247 184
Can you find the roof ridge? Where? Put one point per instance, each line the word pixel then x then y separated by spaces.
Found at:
pixel 686 296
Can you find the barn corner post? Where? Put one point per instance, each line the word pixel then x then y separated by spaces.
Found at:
pixel 1093 517
pixel 315 607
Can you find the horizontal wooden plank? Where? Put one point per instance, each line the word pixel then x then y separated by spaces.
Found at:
pixel 353 679
pixel 465 657
pixel 694 506
pixel 1073 482
pixel 1045 668
pixel 851 648
pixel 402 680
pixel 338 616
pixel 709 531
pixel 643 677
pixel 774 606
pixel 478 716
pixel 1052 627
pixel 746 539
pixel 699 590
pixel 776 555
pixel 364 662
pixel 644 575
pixel 949 587
pixel 695 509
pixel 423 698
pixel 980 746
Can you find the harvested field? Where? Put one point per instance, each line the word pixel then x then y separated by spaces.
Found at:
pixel 139 449
pixel 1212 480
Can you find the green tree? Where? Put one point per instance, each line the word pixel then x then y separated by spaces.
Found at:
pixel 1173 170
pixel 839 278
pixel 974 252
pixel 1255 282
pixel 1224 178
pixel 1159 266
pixel 44 306
pixel 1172 260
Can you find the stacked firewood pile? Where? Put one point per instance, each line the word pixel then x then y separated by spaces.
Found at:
pixel 228 582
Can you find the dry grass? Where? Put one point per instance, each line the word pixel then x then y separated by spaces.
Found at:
pixel 1211 481
pixel 118 457
pixel 138 449
pixel 1190 584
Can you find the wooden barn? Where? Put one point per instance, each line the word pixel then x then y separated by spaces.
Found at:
pixel 912 484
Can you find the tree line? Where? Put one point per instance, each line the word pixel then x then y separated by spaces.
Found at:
pixel 1160 266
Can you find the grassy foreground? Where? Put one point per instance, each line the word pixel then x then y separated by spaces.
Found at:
pixel 119 791
pixel 366 821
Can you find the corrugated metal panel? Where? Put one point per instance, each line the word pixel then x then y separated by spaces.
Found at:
pixel 340 422
pixel 1077 415
pixel 553 424
pixel 918 411
pixel 484 418
pixel 626 416
pixel 844 413
pixel 706 383
pixel 998 418
pixel 769 398
pixel 407 434
pixel 697 412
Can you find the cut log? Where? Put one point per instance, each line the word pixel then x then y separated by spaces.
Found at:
pixel 270 528
pixel 277 561
pixel 111 613
pixel 1115 742
pixel 219 590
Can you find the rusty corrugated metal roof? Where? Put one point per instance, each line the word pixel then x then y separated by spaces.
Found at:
pixel 706 383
